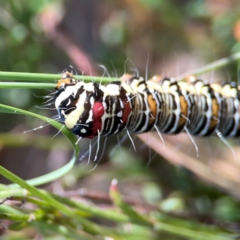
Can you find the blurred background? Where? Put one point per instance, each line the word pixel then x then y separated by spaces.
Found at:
pixel 175 36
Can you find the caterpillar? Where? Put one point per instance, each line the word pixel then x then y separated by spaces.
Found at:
pixel 137 105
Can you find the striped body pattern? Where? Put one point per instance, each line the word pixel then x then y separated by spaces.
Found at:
pixel 138 105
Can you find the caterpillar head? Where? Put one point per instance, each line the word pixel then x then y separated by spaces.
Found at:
pixel 79 106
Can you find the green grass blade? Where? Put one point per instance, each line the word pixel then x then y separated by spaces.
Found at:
pixel 26 85
pixel 41 77
pixel 66 132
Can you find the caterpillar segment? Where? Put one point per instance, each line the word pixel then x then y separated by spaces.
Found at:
pixel 138 105
pixel 229 121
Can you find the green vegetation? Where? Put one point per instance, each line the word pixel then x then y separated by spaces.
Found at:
pixel 46 192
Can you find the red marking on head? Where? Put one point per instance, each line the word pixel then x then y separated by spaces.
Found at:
pixel 98 111
pixel 126 111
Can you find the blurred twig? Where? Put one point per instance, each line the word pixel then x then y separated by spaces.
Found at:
pixel 50 20
pixel 196 166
